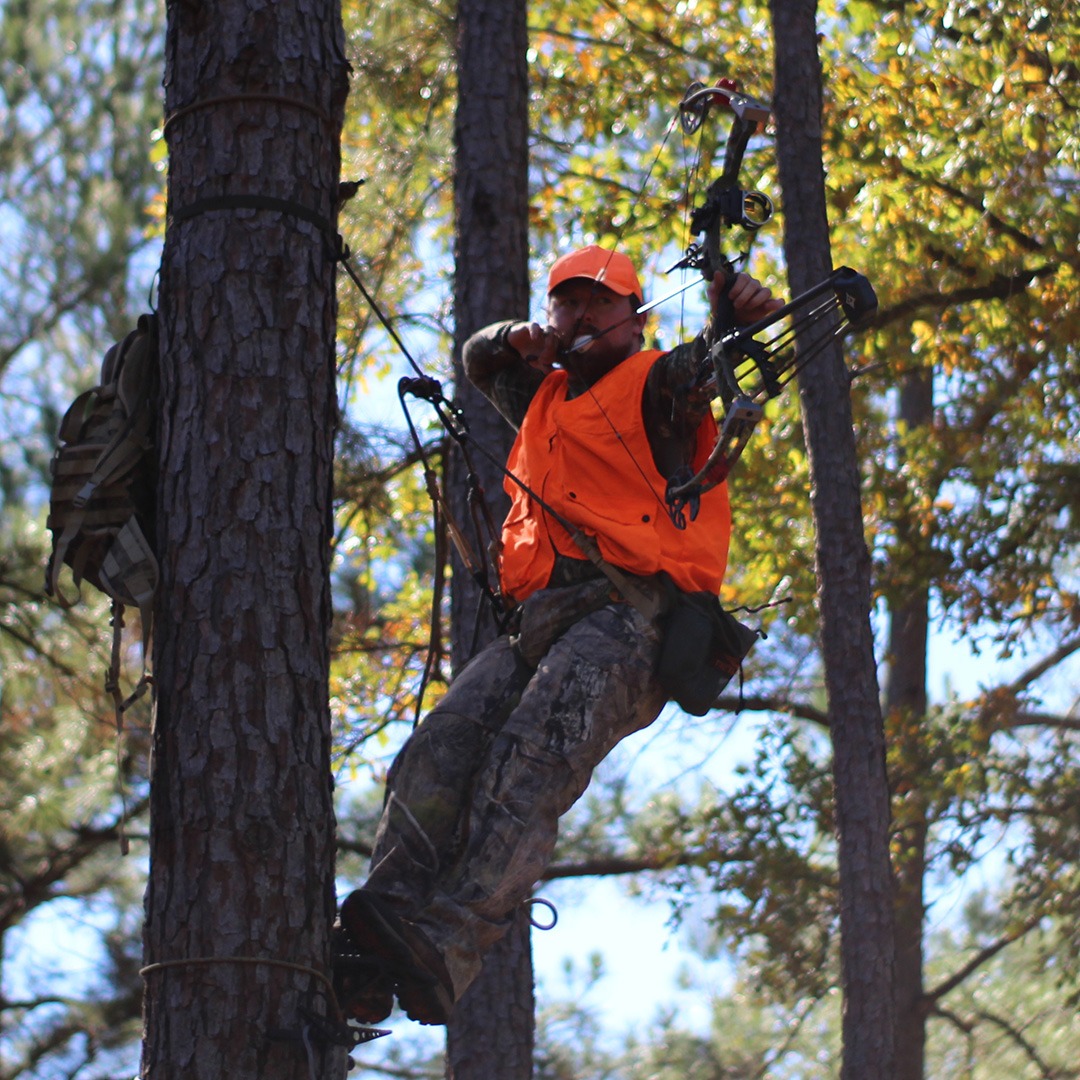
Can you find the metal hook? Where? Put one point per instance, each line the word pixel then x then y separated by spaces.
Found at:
pixel 543 903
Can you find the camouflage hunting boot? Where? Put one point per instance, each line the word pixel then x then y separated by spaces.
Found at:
pixel 403 955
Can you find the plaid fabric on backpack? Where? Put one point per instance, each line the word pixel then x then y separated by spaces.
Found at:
pixel 103 478
pixel 102 504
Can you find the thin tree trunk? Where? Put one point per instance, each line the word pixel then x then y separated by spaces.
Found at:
pixel 490 1035
pixel 843 565
pixel 241 895
pixel 905 709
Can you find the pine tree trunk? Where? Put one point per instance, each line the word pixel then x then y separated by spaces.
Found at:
pixel 241 895
pixel 905 708
pixel 490 1036
pixel 843 566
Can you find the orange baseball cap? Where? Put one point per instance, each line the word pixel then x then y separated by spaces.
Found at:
pixel 608 268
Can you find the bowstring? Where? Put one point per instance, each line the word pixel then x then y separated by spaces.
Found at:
pixel 572 367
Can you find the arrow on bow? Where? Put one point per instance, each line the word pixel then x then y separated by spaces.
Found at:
pixel 743 368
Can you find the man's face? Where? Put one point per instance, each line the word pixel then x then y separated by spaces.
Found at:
pixel 581 308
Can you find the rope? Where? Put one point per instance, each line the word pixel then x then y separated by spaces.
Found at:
pixel 254 202
pixel 206 961
pixel 224 99
pixel 539 901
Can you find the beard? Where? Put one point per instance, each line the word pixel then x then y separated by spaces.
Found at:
pixel 597 358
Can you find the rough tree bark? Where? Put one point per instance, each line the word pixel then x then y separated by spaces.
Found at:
pixel 843 567
pixel 490 1036
pixel 241 898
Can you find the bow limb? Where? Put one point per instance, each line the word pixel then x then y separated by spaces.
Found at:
pixel 685 493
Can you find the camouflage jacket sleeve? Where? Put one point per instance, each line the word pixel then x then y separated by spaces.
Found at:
pixel 500 372
pixel 674 404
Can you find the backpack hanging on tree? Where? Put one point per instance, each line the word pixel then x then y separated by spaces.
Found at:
pixel 102 503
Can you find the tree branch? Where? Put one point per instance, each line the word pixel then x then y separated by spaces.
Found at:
pixel 999 707
pixel 980 958
pixel 1001 287
pixel 612 866
pixel 1017 1036
pixel 772 703
pixel 977 202
pixel 33 891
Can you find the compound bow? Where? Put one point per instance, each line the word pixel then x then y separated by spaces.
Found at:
pixel 743 369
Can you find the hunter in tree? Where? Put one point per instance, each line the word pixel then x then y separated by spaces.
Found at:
pixel 474 798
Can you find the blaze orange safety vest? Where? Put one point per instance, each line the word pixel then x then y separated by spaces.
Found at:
pixel 589 459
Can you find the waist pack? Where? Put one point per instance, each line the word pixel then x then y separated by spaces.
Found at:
pixel 703 646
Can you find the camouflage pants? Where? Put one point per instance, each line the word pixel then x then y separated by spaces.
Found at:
pixel 475 796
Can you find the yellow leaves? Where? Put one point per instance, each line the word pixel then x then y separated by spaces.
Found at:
pixel 950 151
pixel 923 333
pixel 588 65
pixel 1032 74
pixel 772 538
pixel 377 664
pixel 895 72
pixel 156 211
